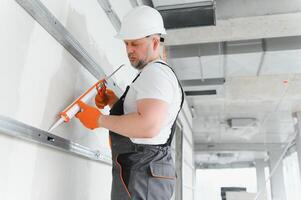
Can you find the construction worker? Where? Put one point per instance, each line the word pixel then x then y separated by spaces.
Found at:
pixel 142 120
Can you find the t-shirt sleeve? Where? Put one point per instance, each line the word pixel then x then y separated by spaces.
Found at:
pixel 155 82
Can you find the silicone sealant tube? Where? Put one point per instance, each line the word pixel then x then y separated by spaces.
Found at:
pixel 72 109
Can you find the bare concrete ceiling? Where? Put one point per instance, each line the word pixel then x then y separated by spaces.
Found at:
pixel 251 58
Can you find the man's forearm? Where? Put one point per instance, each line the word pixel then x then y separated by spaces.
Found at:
pixel 130 125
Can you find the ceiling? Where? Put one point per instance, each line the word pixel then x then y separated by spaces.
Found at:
pixel 245 66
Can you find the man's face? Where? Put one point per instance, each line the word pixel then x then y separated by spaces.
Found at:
pixel 138 51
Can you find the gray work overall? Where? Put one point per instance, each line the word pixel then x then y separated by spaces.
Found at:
pixel 141 171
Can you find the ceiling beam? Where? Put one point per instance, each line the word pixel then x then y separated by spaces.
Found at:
pixel 246 28
pixel 246 164
pixel 244 8
pixel 201 147
pixel 235 47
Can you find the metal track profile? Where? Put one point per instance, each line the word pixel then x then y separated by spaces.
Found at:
pixel 107 7
pixel 134 3
pixel 20 130
pixel 52 25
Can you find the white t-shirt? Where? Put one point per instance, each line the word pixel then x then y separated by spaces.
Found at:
pixel 156 81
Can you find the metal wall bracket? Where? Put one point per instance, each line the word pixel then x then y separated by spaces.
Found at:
pixel 20 130
pixel 52 25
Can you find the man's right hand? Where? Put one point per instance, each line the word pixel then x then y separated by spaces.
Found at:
pixel 104 98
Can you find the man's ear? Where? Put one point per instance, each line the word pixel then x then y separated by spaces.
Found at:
pixel 156 42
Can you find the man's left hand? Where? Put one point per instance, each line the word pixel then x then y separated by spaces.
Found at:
pixel 89 115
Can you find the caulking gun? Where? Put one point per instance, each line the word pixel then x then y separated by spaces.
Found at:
pixel 72 109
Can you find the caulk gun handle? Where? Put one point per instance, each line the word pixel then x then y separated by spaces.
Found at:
pixel 101 93
pixel 101 88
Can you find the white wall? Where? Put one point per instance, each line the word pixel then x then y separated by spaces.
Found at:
pixel 38 79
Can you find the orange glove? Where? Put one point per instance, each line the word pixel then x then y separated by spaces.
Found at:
pixel 88 116
pixel 105 97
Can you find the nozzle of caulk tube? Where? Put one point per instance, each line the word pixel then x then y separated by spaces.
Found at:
pixel 56 124
pixel 72 109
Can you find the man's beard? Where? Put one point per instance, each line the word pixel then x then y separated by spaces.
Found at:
pixel 139 65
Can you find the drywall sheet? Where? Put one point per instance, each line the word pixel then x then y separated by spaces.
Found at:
pixel 38 79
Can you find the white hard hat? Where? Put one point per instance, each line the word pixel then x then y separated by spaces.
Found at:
pixel 140 22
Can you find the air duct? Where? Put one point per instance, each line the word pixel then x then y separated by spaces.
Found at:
pixel 188 14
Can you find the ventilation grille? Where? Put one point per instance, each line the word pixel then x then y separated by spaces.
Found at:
pixel 184 17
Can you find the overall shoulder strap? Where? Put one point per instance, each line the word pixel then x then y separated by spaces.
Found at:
pixel 182 101
pixel 136 77
pixel 128 87
pixel 173 128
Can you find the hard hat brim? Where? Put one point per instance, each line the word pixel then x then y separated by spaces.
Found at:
pixel 137 36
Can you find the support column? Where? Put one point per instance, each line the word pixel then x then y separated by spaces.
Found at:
pixel 261 185
pixel 277 180
pixel 179 162
pixel 298 140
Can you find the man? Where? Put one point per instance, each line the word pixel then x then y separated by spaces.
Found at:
pixel 142 121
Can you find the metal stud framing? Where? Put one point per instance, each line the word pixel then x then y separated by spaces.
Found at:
pixel 20 130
